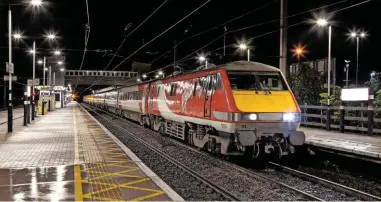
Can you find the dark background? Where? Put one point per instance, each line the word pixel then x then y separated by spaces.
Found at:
pixel 109 18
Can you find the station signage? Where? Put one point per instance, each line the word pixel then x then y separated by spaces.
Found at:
pixel 355 94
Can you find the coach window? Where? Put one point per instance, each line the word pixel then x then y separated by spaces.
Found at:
pixel 173 89
pixel 219 85
pixel 206 83
pixel 212 82
pixel 202 83
pixel 195 88
pixel 136 96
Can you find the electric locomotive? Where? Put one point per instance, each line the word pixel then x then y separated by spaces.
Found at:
pixel 240 108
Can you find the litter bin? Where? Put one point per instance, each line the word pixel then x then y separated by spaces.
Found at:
pixel 42 109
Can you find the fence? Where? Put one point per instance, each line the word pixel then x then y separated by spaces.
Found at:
pixel 355 118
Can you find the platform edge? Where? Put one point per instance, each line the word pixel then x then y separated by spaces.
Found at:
pixel 159 182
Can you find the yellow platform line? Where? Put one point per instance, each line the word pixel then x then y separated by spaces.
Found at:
pixel 105 199
pixel 109 184
pixel 148 196
pixel 139 188
pixel 76 150
pixel 78 183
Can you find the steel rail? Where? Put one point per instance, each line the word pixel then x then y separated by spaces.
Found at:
pixel 244 170
pixel 327 183
pixel 217 188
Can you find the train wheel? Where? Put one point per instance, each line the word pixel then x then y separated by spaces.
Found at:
pixel 162 129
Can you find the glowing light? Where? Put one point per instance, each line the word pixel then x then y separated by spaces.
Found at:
pixel 60 62
pixel 253 117
pixel 40 62
pixel 57 52
pixel 144 76
pixel 289 117
pixel 298 51
pixel 62 69
pixel 242 46
pixel 156 76
pixel 36 2
pixel 363 34
pixel 321 22
pixel 31 51
pixel 372 74
pixel 51 36
pixel 160 72
pixel 17 36
pixel 353 34
pixel 201 58
pixel 46 69
pixel 138 80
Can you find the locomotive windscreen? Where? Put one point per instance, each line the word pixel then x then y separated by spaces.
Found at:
pixel 256 81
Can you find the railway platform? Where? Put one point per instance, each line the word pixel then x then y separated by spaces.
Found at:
pixel 67 155
pixel 18 114
pixel 355 144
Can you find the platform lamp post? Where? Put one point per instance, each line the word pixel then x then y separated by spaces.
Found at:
pixel 45 69
pixel 357 35
pixel 62 69
pixel 346 68
pixel 33 52
pixel 322 22
pixel 33 3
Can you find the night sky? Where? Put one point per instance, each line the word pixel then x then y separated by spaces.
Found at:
pixel 109 18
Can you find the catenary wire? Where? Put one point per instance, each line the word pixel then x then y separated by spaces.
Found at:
pixel 149 42
pixel 248 27
pixel 186 58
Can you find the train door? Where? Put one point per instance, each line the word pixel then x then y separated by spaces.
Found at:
pixel 117 104
pixel 145 98
pixel 151 97
pixel 208 87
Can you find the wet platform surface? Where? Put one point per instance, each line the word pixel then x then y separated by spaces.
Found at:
pixel 66 155
pixel 369 146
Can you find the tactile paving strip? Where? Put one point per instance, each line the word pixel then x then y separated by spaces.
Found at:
pixel 114 178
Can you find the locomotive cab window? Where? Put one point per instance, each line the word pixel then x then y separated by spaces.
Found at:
pixel 256 81
pixel 271 81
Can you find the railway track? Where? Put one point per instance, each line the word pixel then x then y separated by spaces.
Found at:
pixel 185 168
pixel 298 174
pixel 260 176
pixel 249 172
pixel 333 185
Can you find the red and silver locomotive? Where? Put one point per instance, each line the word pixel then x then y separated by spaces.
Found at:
pixel 240 108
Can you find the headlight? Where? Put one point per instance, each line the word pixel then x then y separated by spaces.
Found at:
pixel 246 117
pixel 253 117
pixel 290 117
